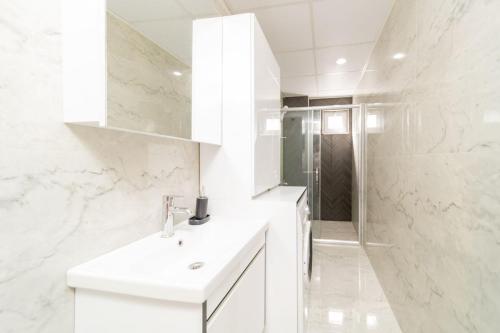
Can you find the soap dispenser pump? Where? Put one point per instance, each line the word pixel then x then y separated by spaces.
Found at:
pixel 200 216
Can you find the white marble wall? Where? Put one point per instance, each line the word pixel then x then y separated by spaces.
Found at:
pixel 143 93
pixel 433 184
pixel 67 194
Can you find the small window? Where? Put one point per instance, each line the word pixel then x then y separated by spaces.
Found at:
pixel 269 123
pixel 336 122
pixel 273 124
pixel 375 121
pixel 371 121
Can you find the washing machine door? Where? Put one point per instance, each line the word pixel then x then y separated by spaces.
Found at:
pixel 307 251
pixel 310 252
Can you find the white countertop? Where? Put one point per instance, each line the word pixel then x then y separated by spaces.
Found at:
pixel 283 194
pixel 156 267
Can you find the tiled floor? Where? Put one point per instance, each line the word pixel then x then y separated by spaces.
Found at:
pixel 344 295
pixel 333 230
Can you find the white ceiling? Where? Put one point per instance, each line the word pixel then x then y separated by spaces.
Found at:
pixel 308 37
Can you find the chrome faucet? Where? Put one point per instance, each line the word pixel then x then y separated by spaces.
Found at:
pixel 168 210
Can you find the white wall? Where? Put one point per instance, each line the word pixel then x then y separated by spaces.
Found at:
pixel 433 164
pixel 67 194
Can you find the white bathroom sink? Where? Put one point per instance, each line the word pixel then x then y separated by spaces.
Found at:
pixel 159 268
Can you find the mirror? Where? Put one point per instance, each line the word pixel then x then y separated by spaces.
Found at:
pixel 149 64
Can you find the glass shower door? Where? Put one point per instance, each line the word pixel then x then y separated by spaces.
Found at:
pixel 301 154
pixel 295 141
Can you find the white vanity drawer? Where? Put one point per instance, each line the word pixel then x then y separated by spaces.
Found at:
pixel 243 309
pixel 218 295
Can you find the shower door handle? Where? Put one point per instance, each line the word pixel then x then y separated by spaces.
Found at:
pixel 316 175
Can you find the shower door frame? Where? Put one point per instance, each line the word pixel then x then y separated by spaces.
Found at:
pixel 316 175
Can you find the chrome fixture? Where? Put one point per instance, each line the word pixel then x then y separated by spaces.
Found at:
pixel 322 107
pixel 196 265
pixel 168 210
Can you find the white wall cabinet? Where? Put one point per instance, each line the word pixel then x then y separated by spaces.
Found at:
pixel 85 78
pixel 249 100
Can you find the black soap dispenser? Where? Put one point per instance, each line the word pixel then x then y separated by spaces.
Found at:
pixel 201 215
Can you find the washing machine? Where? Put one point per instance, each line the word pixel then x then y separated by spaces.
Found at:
pixel 304 256
pixel 307 253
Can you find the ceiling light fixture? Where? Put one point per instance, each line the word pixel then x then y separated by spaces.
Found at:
pixel 341 61
pixel 177 73
pixel 398 56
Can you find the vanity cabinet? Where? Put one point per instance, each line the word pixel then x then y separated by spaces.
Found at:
pixel 235 73
pixel 237 305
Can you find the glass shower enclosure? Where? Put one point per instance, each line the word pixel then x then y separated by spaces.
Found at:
pixel 301 157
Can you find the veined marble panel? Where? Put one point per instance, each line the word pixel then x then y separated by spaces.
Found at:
pixel 433 168
pixel 67 194
pixel 143 92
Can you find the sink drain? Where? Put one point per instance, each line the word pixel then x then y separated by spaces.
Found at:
pixel 196 265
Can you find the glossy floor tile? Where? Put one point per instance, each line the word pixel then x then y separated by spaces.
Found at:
pixel 344 295
pixel 334 230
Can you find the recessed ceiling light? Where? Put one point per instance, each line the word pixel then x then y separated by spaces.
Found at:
pixel 177 73
pixel 398 56
pixel 341 61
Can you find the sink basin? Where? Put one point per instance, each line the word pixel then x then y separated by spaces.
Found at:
pixel 161 268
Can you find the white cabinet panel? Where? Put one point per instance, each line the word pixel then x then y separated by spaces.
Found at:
pixel 84 62
pixel 267 125
pixel 206 115
pixel 102 312
pixel 248 163
pixel 243 309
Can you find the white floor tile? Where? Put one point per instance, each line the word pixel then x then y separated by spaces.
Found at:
pixel 344 295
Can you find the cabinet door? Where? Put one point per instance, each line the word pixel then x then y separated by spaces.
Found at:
pixel 84 66
pixel 206 116
pixel 267 123
pixel 242 311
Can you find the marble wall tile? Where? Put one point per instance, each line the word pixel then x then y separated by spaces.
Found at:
pixel 433 170
pixel 67 194
pixel 143 93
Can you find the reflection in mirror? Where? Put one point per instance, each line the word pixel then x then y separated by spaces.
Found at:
pixel 149 64
pixel 149 90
